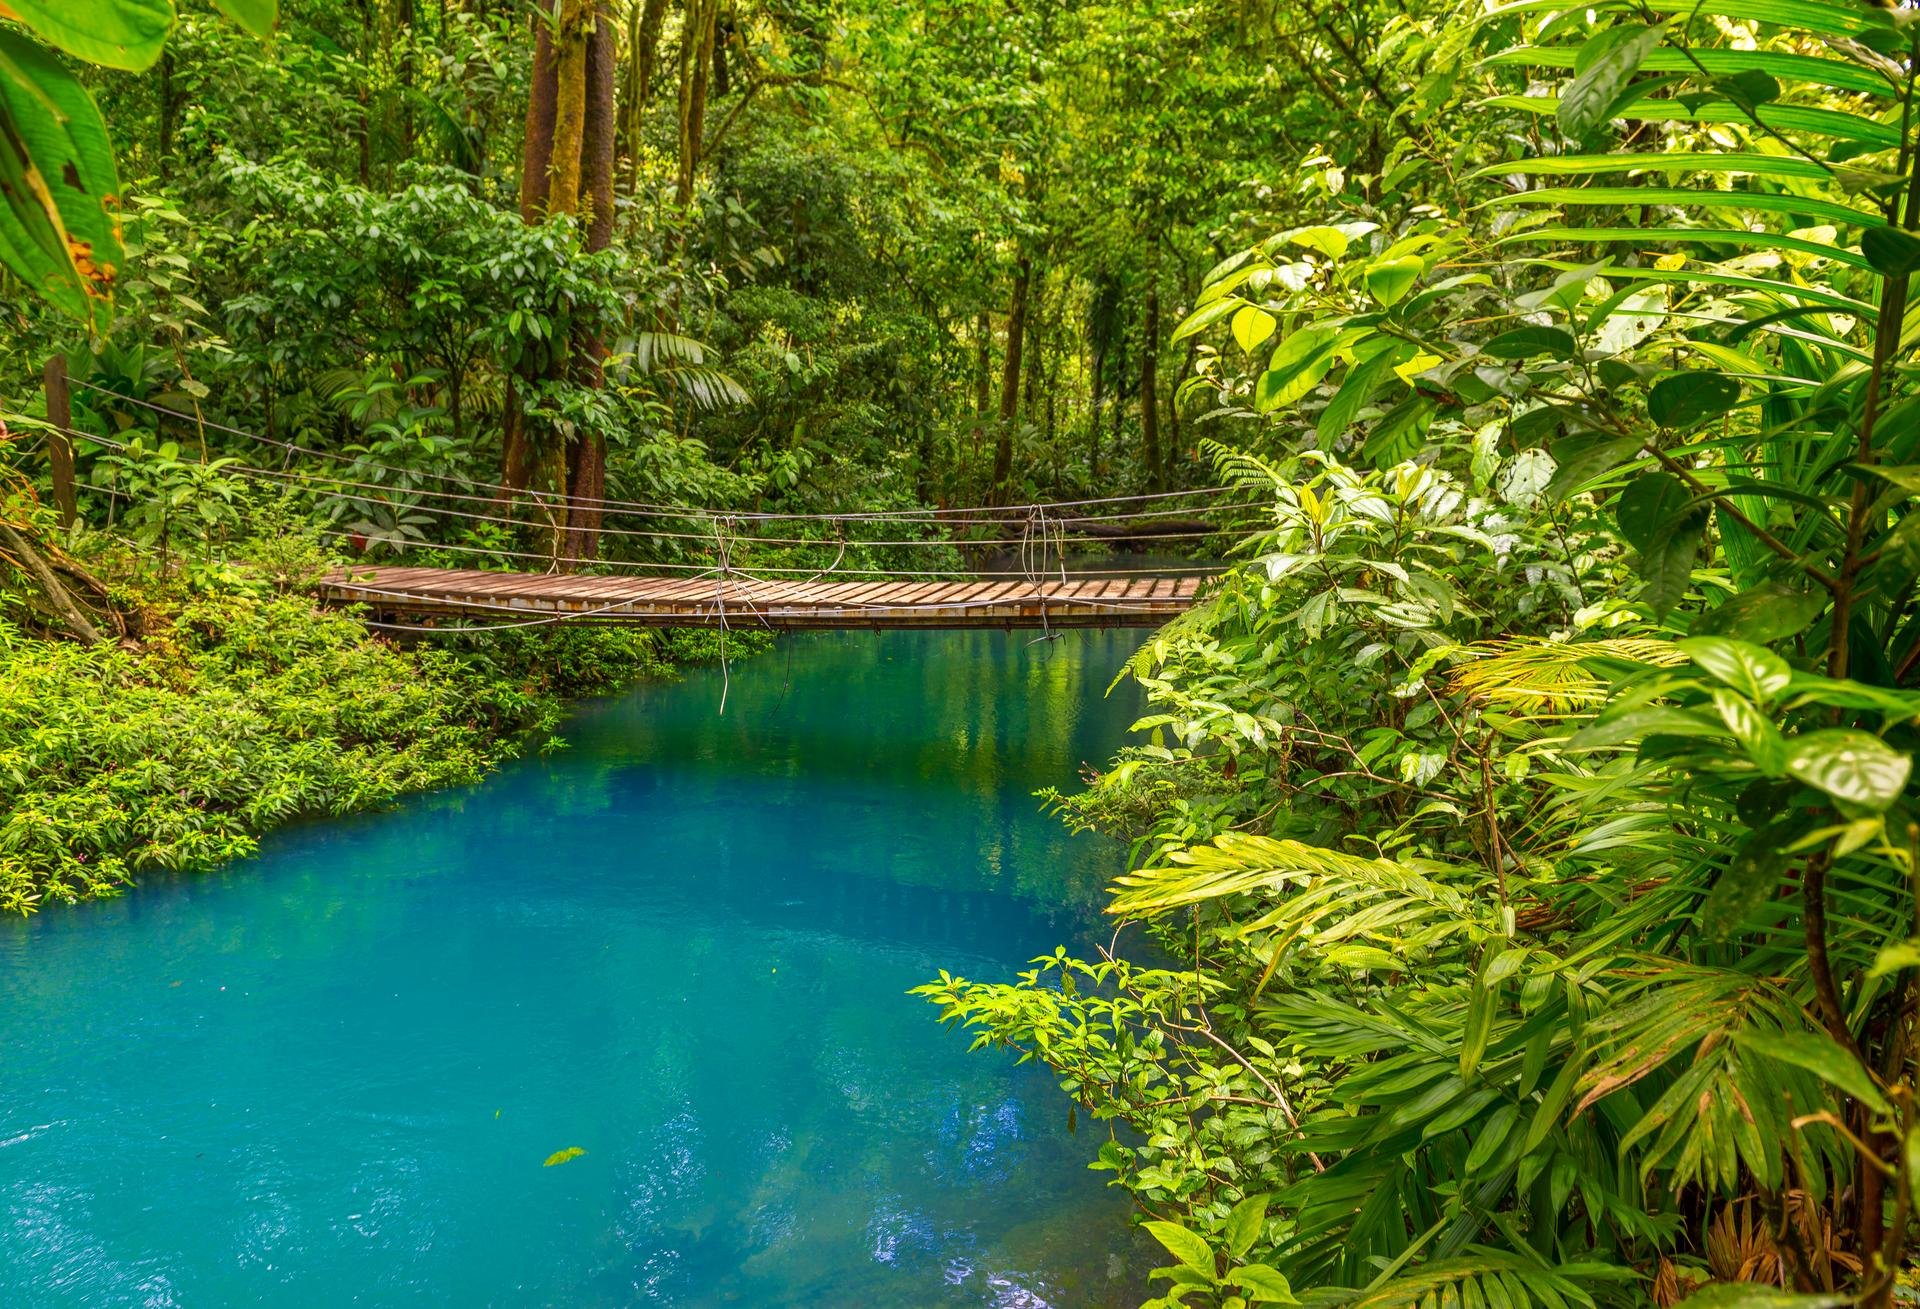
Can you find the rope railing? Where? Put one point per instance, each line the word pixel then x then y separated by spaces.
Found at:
pixel 945 516
pixel 295 477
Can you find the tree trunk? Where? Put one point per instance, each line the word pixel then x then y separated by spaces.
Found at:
pixel 982 364
pixel 564 172
pixel 722 37
pixel 168 108
pixel 536 156
pixel 696 65
pixel 403 29
pixel 366 119
pixel 1010 380
pixel 587 457
pixel 1093 424
pixel 643 50
pixel 1150 391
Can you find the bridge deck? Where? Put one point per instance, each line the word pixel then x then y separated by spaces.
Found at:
pixel 746 602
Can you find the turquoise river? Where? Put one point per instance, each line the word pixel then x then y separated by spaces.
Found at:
pixel 333 1074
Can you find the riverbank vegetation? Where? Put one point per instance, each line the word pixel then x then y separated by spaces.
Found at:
pixel 1524 830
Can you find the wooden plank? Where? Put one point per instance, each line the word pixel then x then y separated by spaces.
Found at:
pixel 789 603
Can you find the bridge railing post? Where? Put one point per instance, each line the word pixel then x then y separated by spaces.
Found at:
pixel 59 444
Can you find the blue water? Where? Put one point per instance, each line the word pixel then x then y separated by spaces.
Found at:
pixel 331 1075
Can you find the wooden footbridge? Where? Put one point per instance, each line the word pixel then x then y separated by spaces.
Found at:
pixel 463 596
pixel 1045 591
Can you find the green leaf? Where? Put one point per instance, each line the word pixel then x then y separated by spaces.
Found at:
pixel 1634 724
pixel 257 16
pixel 1666 563
pixel 1188 1247
pixel 1890 250
pixel 118 33
pixel 56 231
pixel 1754 671
pixel 1391 279
pixel 1820 1055
pixel 1207 315
pixel 1245 1224
pixel 1648 505
pixel 1750 87
pixel 563 1156
pixel 1363 380
pixel 1251 326
pixel 1755 1295
pixel 1329 241
pixel 1771 611
pixel 1686 398
pixel 1298 364
pixel 1603 71
pixel 1750 878
pixel 1525 342
pixel 1849 765
pixel 1262 1284
pixel 1753 730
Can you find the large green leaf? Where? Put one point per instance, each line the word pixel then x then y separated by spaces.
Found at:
pixel 1838 74
pixel 118 33
pixel 1526 342
pixel 1750 879
pixel 257 16
pixel 1742 163
pixel 1820 1055
pixel 1602 72
pixel 1851 766
pixel 1752 670
pixel 1771 611
pixel 1391 279
pixel 1190 1248
pixel 1688 398
pixel 1642 236
pixel 1781 118
pixel 1647 505
pixel 1363 380
pixel 57 182
pixel 1682 197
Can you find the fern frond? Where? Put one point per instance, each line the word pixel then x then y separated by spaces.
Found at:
pixel 1553 676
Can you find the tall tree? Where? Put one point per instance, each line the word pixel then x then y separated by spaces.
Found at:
pixel 1010 379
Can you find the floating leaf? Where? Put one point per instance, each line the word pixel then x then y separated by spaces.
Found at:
pixel 562 1156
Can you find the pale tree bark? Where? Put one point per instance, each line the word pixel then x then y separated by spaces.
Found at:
pixel 696 67
pixel 569 106
pixel 643 51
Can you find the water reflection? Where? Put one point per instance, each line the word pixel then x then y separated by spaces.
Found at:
pixel 681 945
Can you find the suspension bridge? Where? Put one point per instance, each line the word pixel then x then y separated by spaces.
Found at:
pixel 496 557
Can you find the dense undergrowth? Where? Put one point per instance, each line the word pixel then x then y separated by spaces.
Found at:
pixel 236 702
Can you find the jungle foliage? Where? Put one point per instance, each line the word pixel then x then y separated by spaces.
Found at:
pixel 1525 830
pixel 1529 824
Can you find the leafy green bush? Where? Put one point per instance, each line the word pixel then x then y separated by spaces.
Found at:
pixel 244 704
